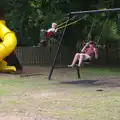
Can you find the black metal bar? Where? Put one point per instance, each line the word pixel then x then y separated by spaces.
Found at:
pixel 57 52
pixel 78 72
pixel 95 11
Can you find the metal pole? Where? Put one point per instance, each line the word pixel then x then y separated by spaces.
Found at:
pixel 57 52
pixel 95 11
pixel 78 72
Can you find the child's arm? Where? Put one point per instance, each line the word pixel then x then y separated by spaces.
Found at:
pixel 83 49
pixel 96 53
pixel 56 30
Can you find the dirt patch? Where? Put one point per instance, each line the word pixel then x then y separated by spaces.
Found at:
pixel 10 118
pixel 109 81
pixel 44 95
pixel 35 70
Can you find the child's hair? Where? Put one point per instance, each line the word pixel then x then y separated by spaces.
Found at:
pixel 92 42
pixel 54 24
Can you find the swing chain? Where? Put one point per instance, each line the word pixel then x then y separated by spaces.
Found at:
pixel 89 34
pixel 104 25
pixel 74 22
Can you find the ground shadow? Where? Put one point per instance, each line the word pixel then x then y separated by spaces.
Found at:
pixel 105 82
pixel 82 82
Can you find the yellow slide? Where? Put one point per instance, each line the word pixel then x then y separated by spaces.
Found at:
pixel 7 46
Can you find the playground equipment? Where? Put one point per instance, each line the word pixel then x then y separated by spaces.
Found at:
pixel 64 30
pixel 7 46
pixel 8 42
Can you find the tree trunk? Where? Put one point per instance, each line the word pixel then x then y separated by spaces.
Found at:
pixel 21 30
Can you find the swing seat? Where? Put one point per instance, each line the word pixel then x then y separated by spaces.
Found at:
pixel 87 61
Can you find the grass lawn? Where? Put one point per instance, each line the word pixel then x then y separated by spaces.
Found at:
pixel 96 96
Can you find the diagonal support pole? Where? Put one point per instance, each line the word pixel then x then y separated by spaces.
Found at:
pixel 58 49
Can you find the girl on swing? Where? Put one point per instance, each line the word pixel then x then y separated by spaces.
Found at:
pixel 88 51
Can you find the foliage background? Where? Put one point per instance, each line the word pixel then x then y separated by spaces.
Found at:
pixel 27 17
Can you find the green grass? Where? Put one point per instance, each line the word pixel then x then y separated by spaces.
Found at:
pixel 56 100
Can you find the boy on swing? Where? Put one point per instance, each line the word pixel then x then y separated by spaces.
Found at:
pixel 87 53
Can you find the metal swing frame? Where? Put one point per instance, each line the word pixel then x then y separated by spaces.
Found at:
pixel 64 30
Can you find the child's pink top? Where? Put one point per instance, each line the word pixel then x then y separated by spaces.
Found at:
pixel 91 50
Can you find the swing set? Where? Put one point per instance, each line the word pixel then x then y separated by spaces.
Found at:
pixel 82 13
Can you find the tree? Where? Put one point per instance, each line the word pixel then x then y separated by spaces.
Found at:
pixel 27 17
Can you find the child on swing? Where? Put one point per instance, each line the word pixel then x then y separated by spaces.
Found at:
pixel 52 31
pixel 45 35
pixel 88 51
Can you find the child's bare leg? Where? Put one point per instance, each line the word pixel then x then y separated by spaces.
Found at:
pixel 76 57
pixel 81 58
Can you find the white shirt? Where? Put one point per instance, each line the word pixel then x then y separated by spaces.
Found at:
pixel 52 30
